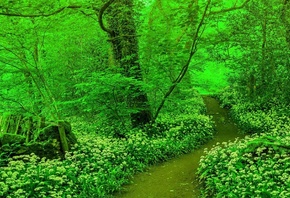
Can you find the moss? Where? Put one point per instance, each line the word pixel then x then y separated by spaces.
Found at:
pixel 10 139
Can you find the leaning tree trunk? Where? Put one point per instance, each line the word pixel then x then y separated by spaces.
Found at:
pixel 123 37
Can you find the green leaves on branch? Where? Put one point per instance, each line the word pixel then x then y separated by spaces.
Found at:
pixel 105 94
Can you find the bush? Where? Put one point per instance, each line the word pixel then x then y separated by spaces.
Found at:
pixel 229 97
pixel 257 121
pixel 255 116
pixel 257 166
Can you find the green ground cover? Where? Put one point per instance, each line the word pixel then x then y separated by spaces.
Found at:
pixel 99 165
pixel 257 166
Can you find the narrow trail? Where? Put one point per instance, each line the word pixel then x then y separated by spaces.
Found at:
pixel 176 178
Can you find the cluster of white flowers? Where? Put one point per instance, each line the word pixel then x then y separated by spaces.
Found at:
pixel 247 167
pixel 97 166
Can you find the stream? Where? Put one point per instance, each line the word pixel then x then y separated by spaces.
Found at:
pixel 176 178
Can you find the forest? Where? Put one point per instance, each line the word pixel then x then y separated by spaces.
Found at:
pixel 95 92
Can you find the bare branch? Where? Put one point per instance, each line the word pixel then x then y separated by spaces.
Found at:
pixel 15 101
pixel 7 62
pixel 40 15
pixel 101 12
pixel 23 60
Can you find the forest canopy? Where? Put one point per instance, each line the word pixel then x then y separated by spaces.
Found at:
pixel 124 60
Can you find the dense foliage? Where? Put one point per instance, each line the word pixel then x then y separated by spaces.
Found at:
pixel 253 166
pixel 256 165
pixel 256 47
pixel 126 74
pixel 99 165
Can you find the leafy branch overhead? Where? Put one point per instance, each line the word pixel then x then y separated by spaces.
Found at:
pixel 193 49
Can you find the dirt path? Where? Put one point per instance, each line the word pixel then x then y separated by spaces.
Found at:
pixel 176 178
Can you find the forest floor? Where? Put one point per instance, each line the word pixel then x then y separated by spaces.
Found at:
pixel 176 178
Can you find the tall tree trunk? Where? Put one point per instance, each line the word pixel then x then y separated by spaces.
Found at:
pixel 263 66
pixel 122 33
pixel 285 19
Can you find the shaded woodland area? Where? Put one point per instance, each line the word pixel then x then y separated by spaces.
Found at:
pixel 92 92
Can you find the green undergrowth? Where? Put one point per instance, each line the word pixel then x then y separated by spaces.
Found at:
pixel 255 115
pixel 256 166
pixel 98 166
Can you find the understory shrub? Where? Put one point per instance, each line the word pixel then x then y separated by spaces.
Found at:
pixel 229 96
pixel 255 166
pixel 255 115
pixel 258 121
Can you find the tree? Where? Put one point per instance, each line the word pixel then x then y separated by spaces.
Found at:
pixel 285 16
pixel 165 41
pixel 252 42
pixel 23 56
pixel 122 33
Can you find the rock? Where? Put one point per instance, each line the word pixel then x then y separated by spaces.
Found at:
pixel 9 138
pixel 51 133
pixel 49 149
pixel 46 144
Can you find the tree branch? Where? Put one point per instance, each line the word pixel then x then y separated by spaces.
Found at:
pixel 101 13
pixel 15 101
pixel 185 67
pixel 40 15
pixel 230 9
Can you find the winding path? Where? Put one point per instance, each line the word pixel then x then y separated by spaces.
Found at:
pixel 176 178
